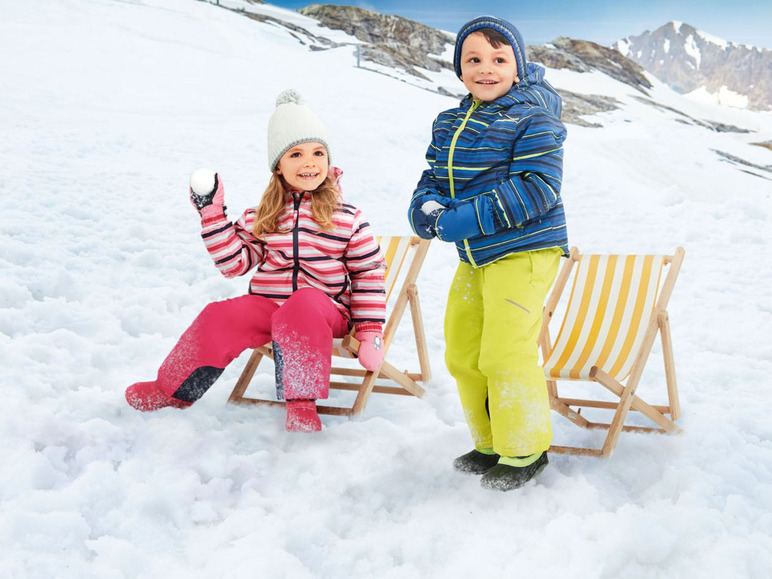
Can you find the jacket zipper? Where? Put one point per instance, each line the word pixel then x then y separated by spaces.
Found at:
pixel 460 129
pixel 295 242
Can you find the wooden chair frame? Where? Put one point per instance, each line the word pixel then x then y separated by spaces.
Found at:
pixel 404 383
pixel 657 324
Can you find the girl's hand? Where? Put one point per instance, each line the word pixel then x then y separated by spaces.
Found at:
pixel 370 350
pixel 207 193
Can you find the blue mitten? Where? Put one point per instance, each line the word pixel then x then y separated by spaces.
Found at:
pixel 422 224
pixel 466 219
pixel 424 216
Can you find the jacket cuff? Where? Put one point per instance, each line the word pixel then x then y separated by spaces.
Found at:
pixel 213 214
pixel 483 207
pixel 368 327
pixel 500 219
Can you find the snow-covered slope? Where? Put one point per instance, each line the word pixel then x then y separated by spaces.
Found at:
pixel 106 106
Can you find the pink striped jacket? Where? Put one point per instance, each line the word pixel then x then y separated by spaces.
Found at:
pixel 346 262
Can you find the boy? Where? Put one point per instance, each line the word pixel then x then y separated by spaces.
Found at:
pixel 493 189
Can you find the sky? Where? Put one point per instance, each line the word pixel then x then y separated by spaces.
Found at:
pixel 602 21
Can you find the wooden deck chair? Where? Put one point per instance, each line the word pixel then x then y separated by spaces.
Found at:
pixel 617 306
pixel 404 258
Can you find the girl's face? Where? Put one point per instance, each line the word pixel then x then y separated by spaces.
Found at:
pixel 304 166
pixel 487 72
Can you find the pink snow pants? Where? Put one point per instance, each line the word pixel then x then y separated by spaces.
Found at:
pixel 302 329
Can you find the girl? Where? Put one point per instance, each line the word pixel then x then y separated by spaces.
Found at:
pixel 318 271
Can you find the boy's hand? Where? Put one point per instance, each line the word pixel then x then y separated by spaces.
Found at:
pixel 423 219
pixel 432 206
pixel 207 193
pixel 370 350
pixel 465 219
pixel 422 224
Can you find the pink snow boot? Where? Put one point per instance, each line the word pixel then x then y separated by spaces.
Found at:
pixel 302 416
pixel 147 396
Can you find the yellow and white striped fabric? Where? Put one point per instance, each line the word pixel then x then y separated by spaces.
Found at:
pixel 396 251
pixel 611 303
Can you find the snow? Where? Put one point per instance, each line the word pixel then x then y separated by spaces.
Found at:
pixel 691 48
pixel 724 96
pixel 623 46
pixel 720 42
pixel 106 107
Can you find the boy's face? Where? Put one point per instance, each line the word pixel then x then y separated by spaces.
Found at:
pixel 487 72
pixel 304 166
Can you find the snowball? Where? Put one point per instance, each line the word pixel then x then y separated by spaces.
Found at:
pixel 430 206
pixel 202 181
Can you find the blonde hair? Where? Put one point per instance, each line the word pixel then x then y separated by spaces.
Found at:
pixel 324 200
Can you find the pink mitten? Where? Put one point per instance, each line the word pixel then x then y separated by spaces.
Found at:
pixel 207 193
pixel 370 350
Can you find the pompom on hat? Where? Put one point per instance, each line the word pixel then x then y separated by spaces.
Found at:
pixel 498 24
pixel 292 123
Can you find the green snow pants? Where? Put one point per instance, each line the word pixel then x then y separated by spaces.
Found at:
pixel 492 324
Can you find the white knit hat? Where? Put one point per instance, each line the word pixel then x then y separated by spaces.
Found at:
pixel 292 123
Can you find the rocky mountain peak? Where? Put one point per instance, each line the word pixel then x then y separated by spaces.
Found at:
pixel 688 60
pixel 387 39
pixel 584 56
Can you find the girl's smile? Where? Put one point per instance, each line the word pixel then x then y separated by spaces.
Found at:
pixel 304 166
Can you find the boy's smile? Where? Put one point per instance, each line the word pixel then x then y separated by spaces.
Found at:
pixel 304 166
pixel 487 72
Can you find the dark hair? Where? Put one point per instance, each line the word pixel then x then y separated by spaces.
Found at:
pixel 494 37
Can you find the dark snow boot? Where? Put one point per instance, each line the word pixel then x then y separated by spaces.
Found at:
pixel 507 477
pixel 475 462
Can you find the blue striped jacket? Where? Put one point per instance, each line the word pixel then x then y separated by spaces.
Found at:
pixel 506 158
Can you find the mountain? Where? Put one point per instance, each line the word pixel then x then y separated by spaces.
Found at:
pixel 419 55
pixel 422 56
pixel 389 40
pixel 396 45
pixel 692 61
